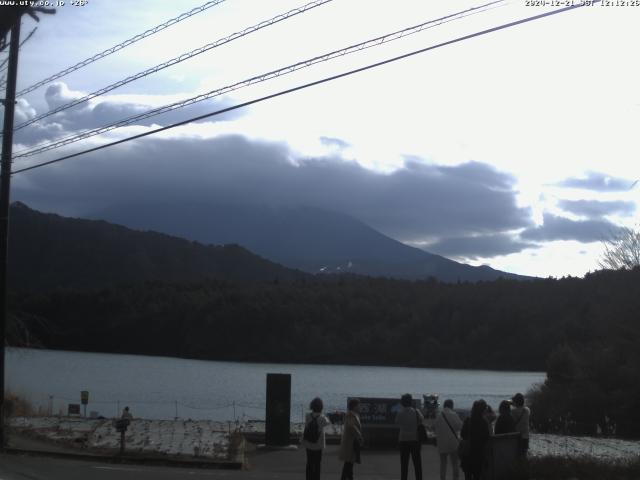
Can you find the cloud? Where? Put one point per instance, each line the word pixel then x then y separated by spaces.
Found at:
pixel 561 228
pixel 479 246
pixel 99 112
pixel 334 142
pixel 596 208
pixel 482 173
pixel 412 203
pixel 599 182
pixel 23 111
pixel 58 94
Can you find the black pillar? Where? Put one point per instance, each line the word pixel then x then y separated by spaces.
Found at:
pixel 278 417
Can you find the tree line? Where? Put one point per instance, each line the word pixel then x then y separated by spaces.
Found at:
pixel 505 324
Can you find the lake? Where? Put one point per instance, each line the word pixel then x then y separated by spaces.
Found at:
pixel 163 387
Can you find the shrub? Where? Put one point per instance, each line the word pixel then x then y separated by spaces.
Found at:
pixel 16 406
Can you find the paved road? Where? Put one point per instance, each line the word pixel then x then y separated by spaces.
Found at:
pixel 268 465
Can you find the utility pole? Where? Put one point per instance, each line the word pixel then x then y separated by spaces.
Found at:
pixel 5 185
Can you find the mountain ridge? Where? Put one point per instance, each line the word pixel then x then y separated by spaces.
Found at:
pixel 306 238
pixel 51 251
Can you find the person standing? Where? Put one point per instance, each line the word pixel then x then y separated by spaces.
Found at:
pixel 448 425
pixel 490 416
pixel 313 438
pixel 505 422
pixel 408 420
pixel 351 439
pixel 126 414
pixel 521 415
pixel 475 429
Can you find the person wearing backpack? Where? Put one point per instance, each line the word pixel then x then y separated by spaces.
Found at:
pixel 447 426
pixel 313 438
pixel 409 419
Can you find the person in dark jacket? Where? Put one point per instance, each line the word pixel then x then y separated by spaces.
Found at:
pixel 408 420
pixel 490 416
pixel 505 422
pixel 476 430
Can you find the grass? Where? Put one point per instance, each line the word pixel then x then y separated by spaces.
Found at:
pixel 557 468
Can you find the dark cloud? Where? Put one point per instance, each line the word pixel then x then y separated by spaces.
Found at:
pixel 560 228
pixel 482 173
pixel 91 115
pixel 599 182
pixel 472 198
pixel 479 246
pixel 413 203
pixel 334 142
pixel 596 208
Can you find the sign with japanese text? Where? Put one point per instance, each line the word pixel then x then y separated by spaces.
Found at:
pixel 381 411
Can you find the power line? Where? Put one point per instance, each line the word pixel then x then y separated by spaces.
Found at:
pixel 308 85
pixel 374 42
pixel 178 59
pixel 122 45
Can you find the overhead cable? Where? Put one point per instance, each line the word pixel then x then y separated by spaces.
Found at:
pixel 122 45
pixel 175 61
pixel 374 42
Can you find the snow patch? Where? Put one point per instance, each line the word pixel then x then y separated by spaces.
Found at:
pixel 543 445
pixel 190 438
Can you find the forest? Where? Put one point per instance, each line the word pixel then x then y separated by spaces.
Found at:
pixel 504 324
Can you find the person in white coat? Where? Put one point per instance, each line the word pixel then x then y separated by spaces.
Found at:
pixel 447 426
pixel 521 415
pixel 351 440
pixel 315 448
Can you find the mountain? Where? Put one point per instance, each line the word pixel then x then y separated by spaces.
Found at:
pixel 50 251
pixel 304 238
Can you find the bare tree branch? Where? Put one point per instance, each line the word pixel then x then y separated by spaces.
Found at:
pixel 622 251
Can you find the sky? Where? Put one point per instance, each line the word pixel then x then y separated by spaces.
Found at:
pixel 517 149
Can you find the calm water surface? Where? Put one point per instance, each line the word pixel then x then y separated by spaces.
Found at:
pixel 160 387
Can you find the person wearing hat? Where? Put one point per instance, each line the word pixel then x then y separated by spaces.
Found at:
pixel 521 415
